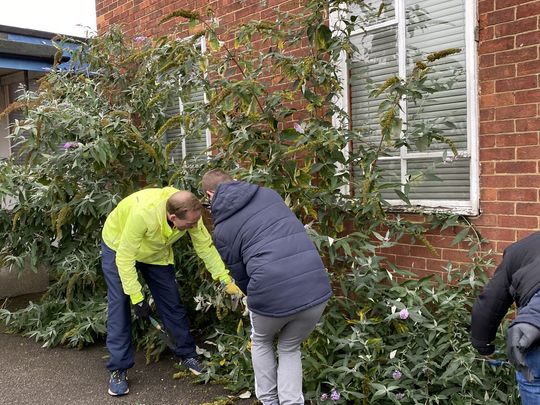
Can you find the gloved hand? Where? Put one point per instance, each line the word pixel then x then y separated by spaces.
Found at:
pixel 519 338
pixel 232 289
pixel 142 310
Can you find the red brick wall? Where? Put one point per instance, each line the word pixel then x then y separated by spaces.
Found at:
pixel 509 90
pixel 141 17
pixel 509 76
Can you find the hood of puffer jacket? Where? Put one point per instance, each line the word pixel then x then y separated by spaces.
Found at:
pixel 231 197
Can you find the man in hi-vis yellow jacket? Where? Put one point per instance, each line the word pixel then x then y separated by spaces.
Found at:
pixel 138 235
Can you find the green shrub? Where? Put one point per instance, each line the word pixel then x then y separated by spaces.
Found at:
pixel 94 134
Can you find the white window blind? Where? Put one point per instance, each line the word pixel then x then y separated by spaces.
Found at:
pixel 392 39
pixel 191 143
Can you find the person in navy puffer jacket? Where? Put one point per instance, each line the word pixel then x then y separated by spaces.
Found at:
pixel 273 261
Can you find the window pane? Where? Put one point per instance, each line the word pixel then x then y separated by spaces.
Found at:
pixel 390 171
pixel 454 183
pixel 195 141
pixel 175 133
pixel 435 25
pixel 373 12
pixel 375 63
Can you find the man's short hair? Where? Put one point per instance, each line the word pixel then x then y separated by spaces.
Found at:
pixel 181 202
pixel 213 178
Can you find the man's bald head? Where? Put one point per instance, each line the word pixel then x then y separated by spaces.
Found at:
pixel 182 202
pixel 213 178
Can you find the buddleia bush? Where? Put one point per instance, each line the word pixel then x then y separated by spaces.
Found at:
pixel 94 133
pixel 91 134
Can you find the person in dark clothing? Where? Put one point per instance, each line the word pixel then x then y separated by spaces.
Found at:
pixel 516 279
pixel 273 261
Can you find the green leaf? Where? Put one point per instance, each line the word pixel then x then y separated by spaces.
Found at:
pixel 402 196
pixel 323 36
pixel 213 41
pixel 460 236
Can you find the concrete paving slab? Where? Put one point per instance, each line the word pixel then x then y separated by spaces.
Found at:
pixel 30 374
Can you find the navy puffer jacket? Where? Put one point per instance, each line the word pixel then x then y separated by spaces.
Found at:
pixel 267 250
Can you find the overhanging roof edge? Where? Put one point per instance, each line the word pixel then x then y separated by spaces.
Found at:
pixel 35 33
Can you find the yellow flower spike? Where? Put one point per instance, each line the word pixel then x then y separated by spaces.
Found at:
pixel 400 327
pixel 240 326
pixel 15 219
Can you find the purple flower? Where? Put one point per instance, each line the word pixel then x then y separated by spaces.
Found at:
pixel 400 396
pixel 298 128
pixel 324 397
pixel 69 145
pixel 396 375
pixel 139 39
pixel 404 314
pixel 334 395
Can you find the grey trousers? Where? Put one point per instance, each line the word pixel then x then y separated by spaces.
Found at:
pixel 279 381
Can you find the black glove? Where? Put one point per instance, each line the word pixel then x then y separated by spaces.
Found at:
pixel 519 338
pixel 142 310
pixel 485 350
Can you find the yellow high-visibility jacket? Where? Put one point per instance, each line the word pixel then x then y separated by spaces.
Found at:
pixel 137 230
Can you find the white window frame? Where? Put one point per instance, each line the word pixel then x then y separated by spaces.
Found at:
pixel 470 207
pixel 202 43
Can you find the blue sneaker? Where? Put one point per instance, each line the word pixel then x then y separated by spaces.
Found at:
pixel 118 384
pixel 193 365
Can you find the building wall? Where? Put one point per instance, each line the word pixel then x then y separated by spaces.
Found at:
pixel 509 90
pixel 509 69
pixel 141 17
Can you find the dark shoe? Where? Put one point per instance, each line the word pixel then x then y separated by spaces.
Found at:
pixel 118 384
pixel 193 365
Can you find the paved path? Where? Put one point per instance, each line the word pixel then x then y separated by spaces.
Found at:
pixel 32 375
